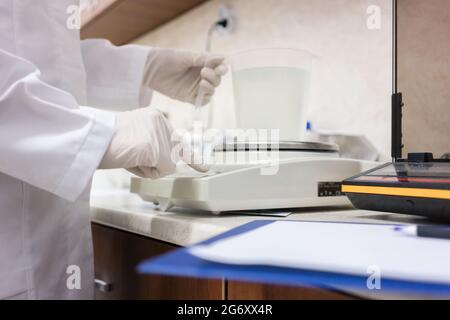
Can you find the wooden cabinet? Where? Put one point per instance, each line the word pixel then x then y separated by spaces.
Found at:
pixel 257 291
pixel 117 253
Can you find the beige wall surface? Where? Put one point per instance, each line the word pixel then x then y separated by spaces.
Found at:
pixel 424 74
pixel 352 87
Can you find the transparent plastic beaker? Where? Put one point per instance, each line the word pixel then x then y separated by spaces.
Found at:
pixel 271 89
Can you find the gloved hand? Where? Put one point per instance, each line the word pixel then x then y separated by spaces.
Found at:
pixel 180 74
pixel 191 149
pixel 142 144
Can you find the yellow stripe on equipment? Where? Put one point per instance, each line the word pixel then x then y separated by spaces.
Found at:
pixel 403 192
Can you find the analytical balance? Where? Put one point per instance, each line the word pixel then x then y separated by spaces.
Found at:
pixel 249 172
pixel 296 174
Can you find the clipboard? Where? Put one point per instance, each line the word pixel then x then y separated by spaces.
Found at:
pixel 181 263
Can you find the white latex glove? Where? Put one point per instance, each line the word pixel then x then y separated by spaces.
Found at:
pixel 180 74
pixel 189 151
pixel 142 144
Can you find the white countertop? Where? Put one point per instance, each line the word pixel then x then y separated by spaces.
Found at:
pixel 125 211
pixel 182 227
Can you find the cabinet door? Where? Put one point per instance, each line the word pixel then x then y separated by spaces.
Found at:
pixel 108 262
pixel 256 291
pixel 116 255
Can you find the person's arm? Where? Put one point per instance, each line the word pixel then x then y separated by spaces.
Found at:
pixel 115 75
pixel 46 139
pixel 122 78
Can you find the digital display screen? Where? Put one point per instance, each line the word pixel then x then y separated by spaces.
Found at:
pixel 407 169
pixel 407 172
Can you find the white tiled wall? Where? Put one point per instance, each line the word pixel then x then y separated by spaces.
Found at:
pixel 424 74
pixel 352 92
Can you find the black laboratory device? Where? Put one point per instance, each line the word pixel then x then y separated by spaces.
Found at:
pixel 418 185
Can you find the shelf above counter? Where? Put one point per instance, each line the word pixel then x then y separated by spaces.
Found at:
pixel 121 21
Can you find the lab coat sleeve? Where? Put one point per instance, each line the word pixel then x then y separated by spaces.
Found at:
pixel 115 75
pixel 46 139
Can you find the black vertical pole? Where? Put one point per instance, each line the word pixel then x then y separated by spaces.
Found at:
pixel 394 45
pixel 397 101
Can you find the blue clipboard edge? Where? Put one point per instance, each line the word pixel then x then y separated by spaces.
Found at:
pixel 181 263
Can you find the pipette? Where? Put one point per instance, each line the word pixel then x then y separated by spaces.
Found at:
pixel 197 131
pixel 198 105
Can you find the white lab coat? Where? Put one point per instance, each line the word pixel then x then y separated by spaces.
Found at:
pixel 51 144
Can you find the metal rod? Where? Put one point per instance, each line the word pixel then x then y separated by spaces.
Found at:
pixel 397 99
pixel 394 46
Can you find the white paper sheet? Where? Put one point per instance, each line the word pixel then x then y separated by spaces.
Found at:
pixel 334 247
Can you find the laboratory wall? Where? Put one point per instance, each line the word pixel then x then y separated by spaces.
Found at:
pixel 424 74
pixel 352 77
